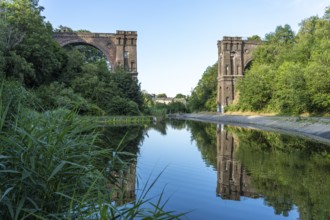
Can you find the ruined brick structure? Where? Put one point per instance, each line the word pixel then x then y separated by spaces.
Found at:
pixel 234 55
pixel 119 48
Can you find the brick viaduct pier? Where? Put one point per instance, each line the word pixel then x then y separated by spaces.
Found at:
pixel 234 55
pixel 119 48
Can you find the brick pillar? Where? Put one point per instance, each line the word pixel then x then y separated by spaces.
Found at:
pixel 230 64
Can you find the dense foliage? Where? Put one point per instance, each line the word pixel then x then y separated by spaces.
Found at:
pixel 203 97
pixel 72 78
pixel 29 52
pixel 290 73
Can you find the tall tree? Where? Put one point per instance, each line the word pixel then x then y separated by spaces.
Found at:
pixel 256 89
pixel 36 49
pixel 203 96
pixel 161 95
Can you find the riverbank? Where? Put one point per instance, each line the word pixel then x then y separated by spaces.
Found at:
pixel 310 127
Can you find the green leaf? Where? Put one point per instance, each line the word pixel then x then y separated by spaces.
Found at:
pixel 6 192
pixel 56 170
pixel 9 171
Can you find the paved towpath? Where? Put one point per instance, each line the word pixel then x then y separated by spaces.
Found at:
pixel 313 127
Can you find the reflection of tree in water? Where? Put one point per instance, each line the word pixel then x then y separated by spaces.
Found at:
pixel 203 134
pixel 126 138
pixel 121 169
pixel 177 124
pixel 287 170
pixel 159 126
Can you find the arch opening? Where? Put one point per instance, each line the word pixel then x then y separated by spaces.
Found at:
pixel 247 66
pixel 92 54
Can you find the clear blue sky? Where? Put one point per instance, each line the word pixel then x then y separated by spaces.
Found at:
pixel 177 39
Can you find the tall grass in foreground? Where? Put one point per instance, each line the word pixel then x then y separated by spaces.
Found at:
pixel 51 167
pixel 48 162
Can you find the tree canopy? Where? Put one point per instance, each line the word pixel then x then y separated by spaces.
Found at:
pixel 203 97
pixel 31 55
pixel 291 72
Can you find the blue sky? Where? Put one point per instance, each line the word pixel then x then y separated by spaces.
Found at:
pixel 177 39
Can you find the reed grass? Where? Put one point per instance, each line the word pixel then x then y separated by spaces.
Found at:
pixel 52 167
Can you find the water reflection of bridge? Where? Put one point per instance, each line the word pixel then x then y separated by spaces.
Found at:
pixel 233 180
pixel 124 188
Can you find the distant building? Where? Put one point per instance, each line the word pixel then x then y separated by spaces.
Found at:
pixel 169 100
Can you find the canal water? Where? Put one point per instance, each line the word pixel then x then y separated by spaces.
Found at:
pixel 214 171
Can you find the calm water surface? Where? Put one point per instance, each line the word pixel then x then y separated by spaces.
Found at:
pixel 225 172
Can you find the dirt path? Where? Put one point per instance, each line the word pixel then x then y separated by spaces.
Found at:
pixel 312 127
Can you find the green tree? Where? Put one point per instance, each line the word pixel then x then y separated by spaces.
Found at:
pixel 326 15
pixel 282 35
pixel 57 95
pixel 256 88
pixel 63 29
pixel 175 107
pixel 254 38
pixel 36 48
pixel 317 70
pixel 75 60
pixel 180 96
pixel 277 47
pixel 161 95
pixel 298 69
pixel 291 95
pixel 305 40
pixel 203 96
pixel 115 92
pixel 13 65
pixel 318 85
pixel 122 106
pixel 90 53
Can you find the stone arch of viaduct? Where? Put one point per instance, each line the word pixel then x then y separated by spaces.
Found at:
pixel 119 48
pixel 234 55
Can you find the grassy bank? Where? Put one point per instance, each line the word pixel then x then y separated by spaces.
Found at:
pixel 121 120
